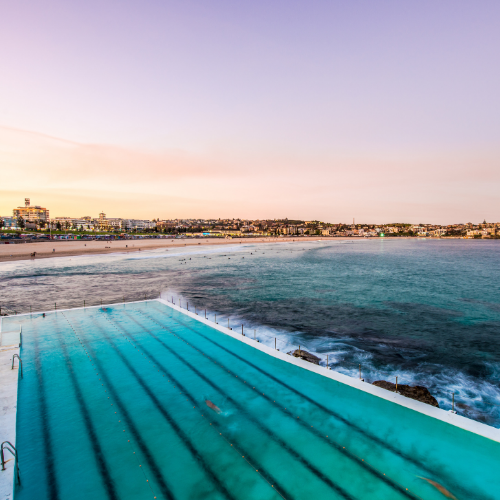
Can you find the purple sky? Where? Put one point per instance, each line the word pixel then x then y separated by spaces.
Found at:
pixel 383 111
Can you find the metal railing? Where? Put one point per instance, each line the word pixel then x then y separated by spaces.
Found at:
pixel 7 445
pixel 108 298
pixel 342 365
pixel 20 363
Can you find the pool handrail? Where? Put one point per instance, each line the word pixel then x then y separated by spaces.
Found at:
pixel 7 445
pixel 20 363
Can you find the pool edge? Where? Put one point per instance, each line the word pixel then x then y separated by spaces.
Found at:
pixel 448 417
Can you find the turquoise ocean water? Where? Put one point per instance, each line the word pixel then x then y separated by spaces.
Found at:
pixel 427 311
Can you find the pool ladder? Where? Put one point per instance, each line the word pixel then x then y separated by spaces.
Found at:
pixel 20 363
pixel 7 445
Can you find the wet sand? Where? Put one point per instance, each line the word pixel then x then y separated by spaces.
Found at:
pixel 66 248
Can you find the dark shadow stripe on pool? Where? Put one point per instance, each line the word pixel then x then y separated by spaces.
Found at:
pixel 271 434
pixel 269 478
pixel 52 487
pixel 313 430
pixel 99 456
pixel 133 429
pixel 161 408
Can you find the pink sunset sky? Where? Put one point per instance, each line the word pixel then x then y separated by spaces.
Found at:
pixel 384 111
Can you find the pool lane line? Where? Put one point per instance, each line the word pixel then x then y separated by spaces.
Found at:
pixel 102 385
pixel 49 459
pixel 330 412
pixel 133 429
pixel 251 461
pixel 249 417
pixel 463 491
pixel 99 455
pixel 308 465
pixel 243 453
pixel 378 474
pixel 166 415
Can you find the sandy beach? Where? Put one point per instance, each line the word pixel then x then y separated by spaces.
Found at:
pixel 66 248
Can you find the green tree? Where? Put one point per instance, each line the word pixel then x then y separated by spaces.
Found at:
pixel 58 226
pixel 20 222
pixel 2 223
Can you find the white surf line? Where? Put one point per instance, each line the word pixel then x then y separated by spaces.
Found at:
pixel 199 251
pixel 431 411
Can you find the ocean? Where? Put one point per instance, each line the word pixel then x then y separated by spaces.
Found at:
pixel 425 311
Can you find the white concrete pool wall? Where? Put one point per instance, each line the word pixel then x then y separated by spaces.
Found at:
pixel 431 411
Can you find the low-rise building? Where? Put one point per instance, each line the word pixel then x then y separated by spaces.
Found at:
pixel 31 213
pixel 9 222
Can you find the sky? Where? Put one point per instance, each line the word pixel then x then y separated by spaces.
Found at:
pixel 382 111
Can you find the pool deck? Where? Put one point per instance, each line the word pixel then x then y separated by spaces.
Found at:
pixel 8 408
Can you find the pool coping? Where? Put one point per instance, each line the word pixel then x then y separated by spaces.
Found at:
pixel 446 416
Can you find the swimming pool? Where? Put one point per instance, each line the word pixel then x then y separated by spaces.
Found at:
pixel 113 405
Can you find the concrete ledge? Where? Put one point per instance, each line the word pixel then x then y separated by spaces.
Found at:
pixel 10 338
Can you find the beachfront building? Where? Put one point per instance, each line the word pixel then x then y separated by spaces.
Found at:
pixel 165 225
pixel 74 223
pixel 139 224
pixel 31 213
pixel 9 222
pixel 115 224
pixel 102 222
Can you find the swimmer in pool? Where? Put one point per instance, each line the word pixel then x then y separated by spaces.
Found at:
pixel 440 488
pixel 209 403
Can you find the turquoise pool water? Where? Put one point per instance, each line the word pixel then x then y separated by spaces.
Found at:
pixel 112 405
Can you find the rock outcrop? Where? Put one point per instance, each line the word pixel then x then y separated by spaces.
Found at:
pixel 307 356
pixel 418 392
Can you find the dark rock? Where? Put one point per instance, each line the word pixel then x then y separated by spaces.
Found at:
pixel 306 356
pixel 418 392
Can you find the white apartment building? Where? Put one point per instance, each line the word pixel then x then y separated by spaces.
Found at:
pixel 138 224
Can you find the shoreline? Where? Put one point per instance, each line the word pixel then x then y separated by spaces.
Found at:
pixel 73 248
